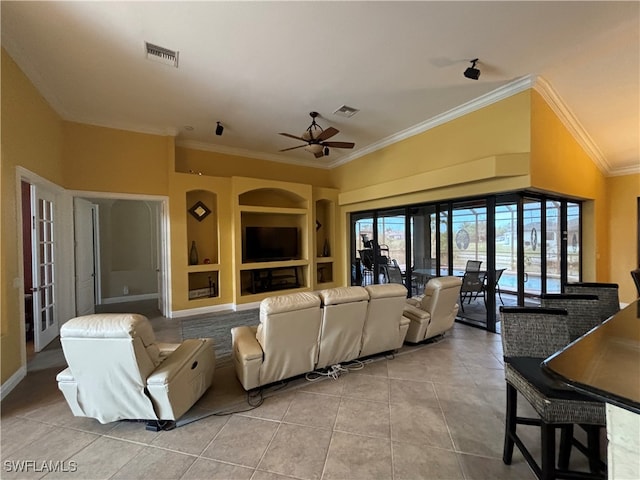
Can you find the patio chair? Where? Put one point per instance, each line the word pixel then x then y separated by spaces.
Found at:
pixel 472 287
pixel 473 266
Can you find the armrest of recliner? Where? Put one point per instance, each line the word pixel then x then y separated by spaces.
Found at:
pixel 245 344
pixel 415 313
pixel 247 356
pixel 182 357
pixel 413 301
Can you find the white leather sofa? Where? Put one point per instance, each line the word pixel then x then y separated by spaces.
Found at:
pixel 434 312
pixel 117 371
pixel 304 331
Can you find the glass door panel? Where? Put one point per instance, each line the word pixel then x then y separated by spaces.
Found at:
pixel 574 242
pixel 442 233
pixel 422 222
pixel 532 231
pixel 469 236
pixel 553 250
pixel 506 231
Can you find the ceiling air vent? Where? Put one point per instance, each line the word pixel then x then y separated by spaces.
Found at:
pixel 161 54
pixel 346 111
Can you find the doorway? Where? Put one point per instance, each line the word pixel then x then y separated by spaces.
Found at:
pixel 121 252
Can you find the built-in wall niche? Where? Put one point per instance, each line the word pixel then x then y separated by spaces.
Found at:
pixel 324 223
pixel 324 272
pixel 272 197
pixel 203 285
pixel 202 227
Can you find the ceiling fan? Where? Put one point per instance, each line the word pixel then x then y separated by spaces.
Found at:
pixel 315 138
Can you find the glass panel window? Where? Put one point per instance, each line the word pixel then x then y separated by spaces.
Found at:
pixel 506 231
pixel 532 228
pixel 469 236
pixel 553 238
pixel 444 246
pixel 573 242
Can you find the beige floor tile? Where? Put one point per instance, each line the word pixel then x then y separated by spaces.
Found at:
pixel 243 441
pixel 56 444
pixel 297 451
pixel 155 463
pixel 415 462
pixel 262 475
pixel 407 392
pixel 327 386
pixel 420 424
pixel 377 368
pixel 476 429
pixel 313 410
pixel 100 460
pixel 483 468
pixel 408 370
pixel 133 431
pixel 211 470
pixel 363 418
pixel 355 457
pixel 367 387
pixel 192 438
pixel 18 433
pixel 273 407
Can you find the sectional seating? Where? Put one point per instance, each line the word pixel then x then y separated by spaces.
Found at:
pixel 305 331
pixel 434 312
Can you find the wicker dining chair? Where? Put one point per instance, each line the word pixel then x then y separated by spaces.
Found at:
pixel 635 274
pixel 609 302
pixel 529 335
pixel 582 309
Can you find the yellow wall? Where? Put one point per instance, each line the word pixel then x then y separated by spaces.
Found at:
pixel 559 164
pixel 623 194
pixel 501 128
pixel 31 138
pixel 223 165
pixel 107 160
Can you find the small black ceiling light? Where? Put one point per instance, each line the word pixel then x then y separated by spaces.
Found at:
pixel 326 151
pixel 472 72
pixel 219 129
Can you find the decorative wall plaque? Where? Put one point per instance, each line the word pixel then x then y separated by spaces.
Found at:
pixel 199 211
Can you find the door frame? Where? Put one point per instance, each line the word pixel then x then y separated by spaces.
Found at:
pixel 63 250
pixel 164 245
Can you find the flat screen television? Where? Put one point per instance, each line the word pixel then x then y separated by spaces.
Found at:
pixel 270 244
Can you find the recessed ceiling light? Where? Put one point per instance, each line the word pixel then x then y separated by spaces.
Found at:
pixel 346 111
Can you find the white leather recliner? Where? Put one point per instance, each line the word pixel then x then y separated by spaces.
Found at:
pixel 343 315
pixel 435 312
pixel 284 345
pixel 385 327
pixel 117 371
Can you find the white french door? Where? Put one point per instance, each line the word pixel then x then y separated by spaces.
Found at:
pixel 45 316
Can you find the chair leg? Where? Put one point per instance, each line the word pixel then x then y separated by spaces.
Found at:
pixel 548 440
pixel 499 294
pixel 566 442
pixel 593 447
pixel 510 423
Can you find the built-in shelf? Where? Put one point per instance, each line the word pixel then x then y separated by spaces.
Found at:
pixel 203 285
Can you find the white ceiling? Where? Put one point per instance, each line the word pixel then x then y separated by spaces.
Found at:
pixel 260 67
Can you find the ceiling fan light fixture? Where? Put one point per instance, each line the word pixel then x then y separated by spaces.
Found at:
pixel 472 72
pixel 314 148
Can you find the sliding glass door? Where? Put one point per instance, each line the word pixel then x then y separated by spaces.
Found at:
pixel 527 243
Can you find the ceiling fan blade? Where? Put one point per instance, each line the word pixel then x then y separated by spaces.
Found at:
pixel 292 148
pixel 328 133
pixel 293 136
pixel 339 144
pixel 319 154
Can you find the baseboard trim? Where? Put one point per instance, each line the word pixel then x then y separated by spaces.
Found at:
pixel 246 306
pixel 12 382
pixel 129 298
pixel 201 310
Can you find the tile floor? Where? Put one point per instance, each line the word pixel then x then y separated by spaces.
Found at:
pixel 435 412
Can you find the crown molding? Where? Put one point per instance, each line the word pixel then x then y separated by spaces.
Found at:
pixel 628 170
pixel 500 93
pixel 240 152
pixel 571 123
